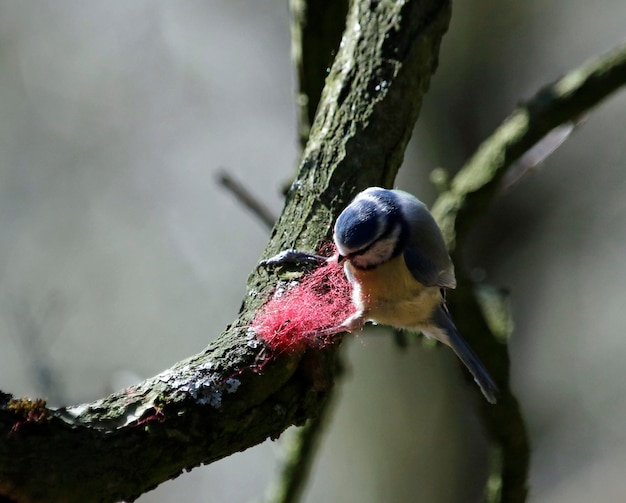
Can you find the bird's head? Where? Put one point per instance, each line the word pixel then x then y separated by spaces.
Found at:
pixel 371 230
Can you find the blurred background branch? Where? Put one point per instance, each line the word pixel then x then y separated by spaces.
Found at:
pixel 560 103
pixel 247 199
pixel 458 210
pixel 316 29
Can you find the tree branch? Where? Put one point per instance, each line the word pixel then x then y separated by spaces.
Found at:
pixel 316 29
pixel 566 100
pixel 300 452
pixel 222 400
pixel 457 210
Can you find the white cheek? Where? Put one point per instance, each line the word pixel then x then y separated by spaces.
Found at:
pixel 377 254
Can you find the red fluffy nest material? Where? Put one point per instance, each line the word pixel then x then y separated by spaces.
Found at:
pixel 297 314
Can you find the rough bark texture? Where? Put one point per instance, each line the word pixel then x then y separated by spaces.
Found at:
pixel 222 401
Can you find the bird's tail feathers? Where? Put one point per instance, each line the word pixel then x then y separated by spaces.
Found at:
pixel 466 355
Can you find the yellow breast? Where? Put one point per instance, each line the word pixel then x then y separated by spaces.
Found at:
pixel 390 295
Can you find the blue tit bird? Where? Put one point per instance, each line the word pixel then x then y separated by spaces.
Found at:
pixel 396 259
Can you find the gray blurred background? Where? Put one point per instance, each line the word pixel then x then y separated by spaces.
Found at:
pixel 120 254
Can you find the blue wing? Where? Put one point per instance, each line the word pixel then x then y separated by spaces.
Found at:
pixel 425 252
pixel 422 268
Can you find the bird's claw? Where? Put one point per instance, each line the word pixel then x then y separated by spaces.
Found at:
pixel 293 257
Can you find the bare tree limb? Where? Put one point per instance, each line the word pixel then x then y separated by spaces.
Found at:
pixel 301 448
pixel 316 29
pixel 221 401
pixel 470 193
pixel 566 100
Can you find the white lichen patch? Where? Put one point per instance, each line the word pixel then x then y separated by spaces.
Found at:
pixel 232 385
pixel 209 389
pixel 207 366
pixel 251 338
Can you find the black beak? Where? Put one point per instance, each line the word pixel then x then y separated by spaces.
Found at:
pixel 340 259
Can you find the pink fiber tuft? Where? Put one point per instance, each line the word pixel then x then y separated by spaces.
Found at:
pixel 292 320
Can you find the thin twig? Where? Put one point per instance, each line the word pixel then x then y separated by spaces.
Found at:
pixel 243 195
